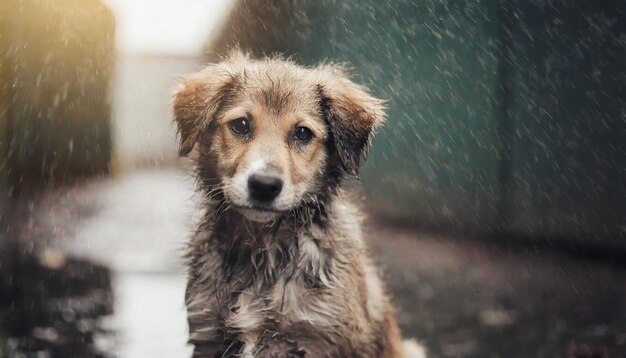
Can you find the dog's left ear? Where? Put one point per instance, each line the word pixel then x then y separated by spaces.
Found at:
pixel 352 114
pixel 201 96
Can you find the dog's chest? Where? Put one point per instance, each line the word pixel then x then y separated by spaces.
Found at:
pixel 279 284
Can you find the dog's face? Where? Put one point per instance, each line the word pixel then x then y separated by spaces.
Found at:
pixel 269 132
pixel 269 157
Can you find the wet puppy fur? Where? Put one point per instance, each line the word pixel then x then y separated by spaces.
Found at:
pixel 280 269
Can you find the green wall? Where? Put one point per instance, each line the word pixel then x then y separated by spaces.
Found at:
pixel 568 107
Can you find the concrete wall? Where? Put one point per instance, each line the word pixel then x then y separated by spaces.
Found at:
pixel 142 128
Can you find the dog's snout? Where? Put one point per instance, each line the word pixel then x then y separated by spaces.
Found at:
pixel 264 187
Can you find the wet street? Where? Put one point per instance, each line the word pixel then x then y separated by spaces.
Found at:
pixel 135 226
pixel 112 249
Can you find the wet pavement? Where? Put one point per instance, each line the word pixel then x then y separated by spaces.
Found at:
pixel 465 298
pixel 135 226
pixel 105 262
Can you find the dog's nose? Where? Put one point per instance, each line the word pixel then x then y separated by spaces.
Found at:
pixel 264 188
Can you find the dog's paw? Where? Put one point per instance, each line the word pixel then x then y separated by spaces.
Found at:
pixel 297 352
pixel 412 349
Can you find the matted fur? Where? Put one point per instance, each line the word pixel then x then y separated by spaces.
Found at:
pixel 293 281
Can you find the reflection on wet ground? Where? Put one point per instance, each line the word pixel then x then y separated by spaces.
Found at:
pixel 51 306
pixel 124 296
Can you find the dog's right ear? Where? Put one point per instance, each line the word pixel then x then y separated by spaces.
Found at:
pixel 198 100
pixel 352 114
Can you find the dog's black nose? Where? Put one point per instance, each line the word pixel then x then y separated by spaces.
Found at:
pixel 264 188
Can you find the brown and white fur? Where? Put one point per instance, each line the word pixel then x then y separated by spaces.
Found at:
pixel 280 269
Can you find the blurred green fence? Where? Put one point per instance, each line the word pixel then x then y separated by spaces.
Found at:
pixel 503 115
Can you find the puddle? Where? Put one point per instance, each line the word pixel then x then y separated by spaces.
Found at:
pixel 150 315
pixel 55 306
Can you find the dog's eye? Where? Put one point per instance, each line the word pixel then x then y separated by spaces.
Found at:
pixel 240 126
pixel 303 134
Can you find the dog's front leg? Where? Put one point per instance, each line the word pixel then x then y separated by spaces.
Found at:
pixel 272 345
pixel 208 350
pixel 217 349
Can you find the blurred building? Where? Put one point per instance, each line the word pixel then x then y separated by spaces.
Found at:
pixel 55 68
pixel 154 46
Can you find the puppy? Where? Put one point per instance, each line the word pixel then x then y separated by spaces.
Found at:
pixel 278 267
